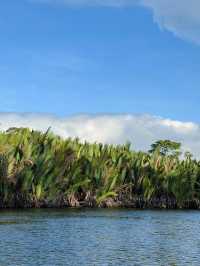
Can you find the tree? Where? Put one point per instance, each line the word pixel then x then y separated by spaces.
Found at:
pixel 166 147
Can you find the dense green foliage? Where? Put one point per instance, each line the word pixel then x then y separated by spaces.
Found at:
pixel 43 170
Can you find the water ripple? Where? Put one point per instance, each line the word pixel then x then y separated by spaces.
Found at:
pixel 99 237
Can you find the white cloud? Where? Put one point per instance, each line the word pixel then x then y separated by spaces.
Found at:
pixel 181 17
pixel 141 130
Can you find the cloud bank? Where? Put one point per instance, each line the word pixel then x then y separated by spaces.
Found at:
pixel 140 130
pixel 181 17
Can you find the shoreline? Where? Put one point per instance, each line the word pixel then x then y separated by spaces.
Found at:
pixel 41 170
pixel 110 203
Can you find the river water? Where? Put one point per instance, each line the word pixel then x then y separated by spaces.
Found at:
pixel 99 237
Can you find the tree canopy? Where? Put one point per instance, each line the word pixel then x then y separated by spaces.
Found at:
pixel 166 147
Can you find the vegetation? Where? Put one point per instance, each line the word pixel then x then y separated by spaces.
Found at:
pixel 43 170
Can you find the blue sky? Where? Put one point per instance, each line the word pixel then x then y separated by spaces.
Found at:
pixel 66 59
pixel 109 71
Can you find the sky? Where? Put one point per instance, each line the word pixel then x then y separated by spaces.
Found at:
pixel 127 65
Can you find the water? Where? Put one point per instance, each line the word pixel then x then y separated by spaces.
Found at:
pixel 99 237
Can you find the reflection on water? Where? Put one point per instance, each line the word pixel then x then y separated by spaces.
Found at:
pixel 99 237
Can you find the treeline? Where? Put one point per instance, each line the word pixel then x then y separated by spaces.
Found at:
pixel 43 170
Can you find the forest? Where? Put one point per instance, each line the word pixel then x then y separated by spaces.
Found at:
pixel 42 170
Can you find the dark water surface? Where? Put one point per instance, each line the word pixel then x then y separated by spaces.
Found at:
pixel 99 237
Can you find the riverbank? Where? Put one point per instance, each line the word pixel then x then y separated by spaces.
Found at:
pixel 134 203
pixel 43 170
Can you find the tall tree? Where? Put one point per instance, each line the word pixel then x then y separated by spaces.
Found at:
pixel 166 147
